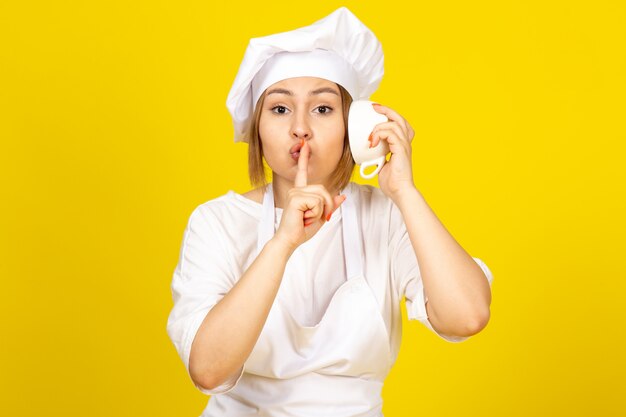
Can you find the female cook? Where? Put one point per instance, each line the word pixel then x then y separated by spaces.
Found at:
pixel 287 298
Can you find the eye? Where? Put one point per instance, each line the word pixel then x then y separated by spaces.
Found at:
pixel 324 109
pixel 279 109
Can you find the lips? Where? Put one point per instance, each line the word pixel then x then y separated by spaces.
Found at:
pixel 295 151
pixel 295 148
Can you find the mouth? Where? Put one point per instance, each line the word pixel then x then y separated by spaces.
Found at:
pixel 296 155
pixel 295 152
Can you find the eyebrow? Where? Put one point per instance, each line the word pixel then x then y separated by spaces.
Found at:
pixel 312 93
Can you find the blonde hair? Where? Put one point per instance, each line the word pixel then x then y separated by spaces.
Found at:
pixel 339 178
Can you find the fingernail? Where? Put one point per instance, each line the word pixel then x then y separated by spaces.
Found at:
pixel 328 217
pixel 375 104
pixel 370 137
pixel 302 143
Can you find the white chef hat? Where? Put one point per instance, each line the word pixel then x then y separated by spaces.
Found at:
pixel 339 48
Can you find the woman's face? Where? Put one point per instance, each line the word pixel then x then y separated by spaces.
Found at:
pixel 302 108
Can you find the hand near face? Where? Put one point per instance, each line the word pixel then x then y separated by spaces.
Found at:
pixel 397 174
pixel 308 207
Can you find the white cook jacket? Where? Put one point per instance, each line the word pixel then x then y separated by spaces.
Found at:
pixel 217 239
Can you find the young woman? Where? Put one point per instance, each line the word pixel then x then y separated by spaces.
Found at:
pixel 287 298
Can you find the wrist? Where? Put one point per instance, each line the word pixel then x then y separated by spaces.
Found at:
pixel 282 246
pixel 404 195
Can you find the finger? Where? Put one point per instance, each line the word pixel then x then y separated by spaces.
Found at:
pixel 391 114
pixel 389 126
pixel 396 145
pixel 401 129
pixel 308 204
pixel 338 200
pixel 325 199
pixel 329 204
pixel 384 134
pixel 312 206
pixel 411 132
pixel 303 164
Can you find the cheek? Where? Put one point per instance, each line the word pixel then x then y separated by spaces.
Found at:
pixel 270 127
pixel 266 132
pixel 337 133
pixel 271 146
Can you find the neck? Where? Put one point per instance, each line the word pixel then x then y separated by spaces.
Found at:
pixel 282 186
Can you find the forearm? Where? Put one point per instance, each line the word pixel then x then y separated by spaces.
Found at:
pixel 231 328
pixel 457 289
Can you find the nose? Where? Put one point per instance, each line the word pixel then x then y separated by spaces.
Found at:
pixel 300 128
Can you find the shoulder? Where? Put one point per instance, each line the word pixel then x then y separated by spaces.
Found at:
pixel 256 195
pixel 229 209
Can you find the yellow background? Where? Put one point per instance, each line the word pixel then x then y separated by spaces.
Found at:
pixel 114 128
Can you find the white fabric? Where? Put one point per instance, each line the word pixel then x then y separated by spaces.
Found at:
pixel 333 367
pixel 218 247
pixel 317 63
pixel 359 68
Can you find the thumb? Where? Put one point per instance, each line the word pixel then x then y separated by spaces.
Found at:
pixel 338 199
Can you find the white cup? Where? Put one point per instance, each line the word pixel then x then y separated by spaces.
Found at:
pixel 362 119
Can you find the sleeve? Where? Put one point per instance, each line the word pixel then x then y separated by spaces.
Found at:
pixel 202 277
pixel 407 276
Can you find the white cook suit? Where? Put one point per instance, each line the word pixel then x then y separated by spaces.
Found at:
pixel 334 330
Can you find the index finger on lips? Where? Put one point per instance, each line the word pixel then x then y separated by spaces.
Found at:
pixel 303 163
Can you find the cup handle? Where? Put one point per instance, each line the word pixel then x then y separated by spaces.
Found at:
pixel 380 161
